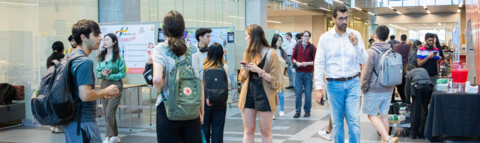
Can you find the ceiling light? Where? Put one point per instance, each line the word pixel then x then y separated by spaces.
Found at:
pixel 390 7
pixel 271 21
pixel 460 5
pixel 339 1
pixel 325 9
pixel 397 27
pixel 458 10
pixel 371 13
pixel 358 8
pixel 424 6
pixel 439 23
pixel 399 12
pixel 429 11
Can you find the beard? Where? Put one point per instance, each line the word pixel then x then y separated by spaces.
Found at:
pixel 342 27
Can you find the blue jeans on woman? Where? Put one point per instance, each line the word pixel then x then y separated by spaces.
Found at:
pixel 344 98
pixel 303 81
pixel 282 100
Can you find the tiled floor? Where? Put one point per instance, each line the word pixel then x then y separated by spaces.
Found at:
pixel 284 129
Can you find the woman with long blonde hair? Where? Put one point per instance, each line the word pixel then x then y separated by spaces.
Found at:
pixel 259 74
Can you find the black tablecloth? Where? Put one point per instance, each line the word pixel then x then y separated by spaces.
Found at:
pixel 453 114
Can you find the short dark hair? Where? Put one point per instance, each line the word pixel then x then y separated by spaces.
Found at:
pixel 403 37
pixel 392 37
pixel 429 35
pixel 298 36
pixel 84 27
pixel 70 38
pixel 382 32
pixel 341 8
pixel 202 32
pixel 289 34
pixel 371 40
pixel 309 33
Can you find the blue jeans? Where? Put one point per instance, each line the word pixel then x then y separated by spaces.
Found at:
pixel 282 102
pixel 291 73
pixel 88 133
pixel 303 81
pixel 344 97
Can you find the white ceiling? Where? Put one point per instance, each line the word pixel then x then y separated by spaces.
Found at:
pixel 424 26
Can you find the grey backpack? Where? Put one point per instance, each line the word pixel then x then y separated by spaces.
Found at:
pixel 390 71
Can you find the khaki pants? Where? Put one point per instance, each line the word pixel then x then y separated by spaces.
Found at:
pixel 110 107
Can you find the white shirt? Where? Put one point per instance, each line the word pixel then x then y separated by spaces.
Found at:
pixel 289 45
pixel 337 57
pixel 197 62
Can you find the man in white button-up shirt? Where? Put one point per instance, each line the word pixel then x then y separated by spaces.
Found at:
pixel 289 45
pixel 339 55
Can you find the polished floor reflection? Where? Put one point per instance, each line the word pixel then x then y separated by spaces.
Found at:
pixel 285 129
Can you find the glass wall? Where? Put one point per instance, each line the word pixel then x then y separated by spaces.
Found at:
pixel 27 32
pixel 401 3
pixel 197 13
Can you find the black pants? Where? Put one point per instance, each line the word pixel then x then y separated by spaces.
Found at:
pixel 177 131
pixel 419 111
pixel 214 121
pixel 401 91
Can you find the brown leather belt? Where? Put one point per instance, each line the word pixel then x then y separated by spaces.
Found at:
pixel 343 78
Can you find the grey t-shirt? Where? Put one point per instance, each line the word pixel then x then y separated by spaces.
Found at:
pixel 82 70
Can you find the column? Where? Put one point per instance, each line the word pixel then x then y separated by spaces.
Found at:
pixel 256 12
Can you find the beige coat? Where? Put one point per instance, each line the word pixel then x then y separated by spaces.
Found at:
pixel 272 68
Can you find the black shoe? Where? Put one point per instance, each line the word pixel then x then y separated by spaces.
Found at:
pixel 290 87
pixel 307 115
pixel 411 136
pixel 296 115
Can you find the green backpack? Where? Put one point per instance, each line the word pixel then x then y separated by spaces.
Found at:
pixel 184 92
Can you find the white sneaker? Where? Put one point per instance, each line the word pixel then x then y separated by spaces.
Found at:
pixel 325 135
pixel 106 140
pixel 58 130
pixel 115 139
pixel 282 114
pixel 273 117
pixel 52 129
pixel 393 140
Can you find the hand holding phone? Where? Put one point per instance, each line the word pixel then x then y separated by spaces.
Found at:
pixel 244 63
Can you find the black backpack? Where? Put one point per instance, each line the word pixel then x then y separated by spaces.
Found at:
pixel 7 94
pixel 148 74
pixel 55 103
pixel 215 82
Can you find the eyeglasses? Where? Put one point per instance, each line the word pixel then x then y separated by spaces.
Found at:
pixel 342 19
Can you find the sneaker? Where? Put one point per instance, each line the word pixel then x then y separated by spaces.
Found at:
pixel 393 140
pixel 58 130
pixel 325 135
pixel 115 139
pixel 296 115
pixel 273 117
pixel 289 87
pixel 412 136
pixel 106 140
pixel 307 115
pixel 52 129
pixel 282 114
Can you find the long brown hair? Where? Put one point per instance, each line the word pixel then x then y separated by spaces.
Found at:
pixel 173 28
pixel 257 42
pixel 115 52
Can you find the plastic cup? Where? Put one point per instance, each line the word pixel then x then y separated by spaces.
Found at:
pixel 459 76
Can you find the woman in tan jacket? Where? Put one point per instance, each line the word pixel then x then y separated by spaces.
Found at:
pixel 259 75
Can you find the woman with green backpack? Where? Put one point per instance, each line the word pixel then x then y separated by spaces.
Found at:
pixel 179 105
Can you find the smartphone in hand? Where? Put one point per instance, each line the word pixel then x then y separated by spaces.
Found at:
pixel 244 63
pixel 322 102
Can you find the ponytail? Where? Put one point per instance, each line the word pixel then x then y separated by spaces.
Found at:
pixel 174 28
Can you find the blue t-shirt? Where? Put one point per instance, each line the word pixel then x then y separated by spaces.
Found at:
pixel 82 70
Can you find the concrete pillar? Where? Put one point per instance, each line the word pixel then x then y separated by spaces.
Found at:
pixel 256 13
pixel 114 11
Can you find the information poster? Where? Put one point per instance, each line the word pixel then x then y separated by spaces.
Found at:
pixel 136 43
pixel 218 35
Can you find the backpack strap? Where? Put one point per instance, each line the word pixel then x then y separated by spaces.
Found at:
pixel 379 52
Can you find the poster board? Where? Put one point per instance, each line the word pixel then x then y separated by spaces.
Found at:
pixel 135 40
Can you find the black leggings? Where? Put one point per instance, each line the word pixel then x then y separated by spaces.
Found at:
pixel 419 112
pixel 177 131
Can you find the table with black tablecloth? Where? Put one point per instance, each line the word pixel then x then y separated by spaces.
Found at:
pixel 453 114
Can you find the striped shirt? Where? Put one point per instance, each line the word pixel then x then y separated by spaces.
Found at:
pixel 431 64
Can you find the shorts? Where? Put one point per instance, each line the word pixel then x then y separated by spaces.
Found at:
pixel 88 133
pixel 374 103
